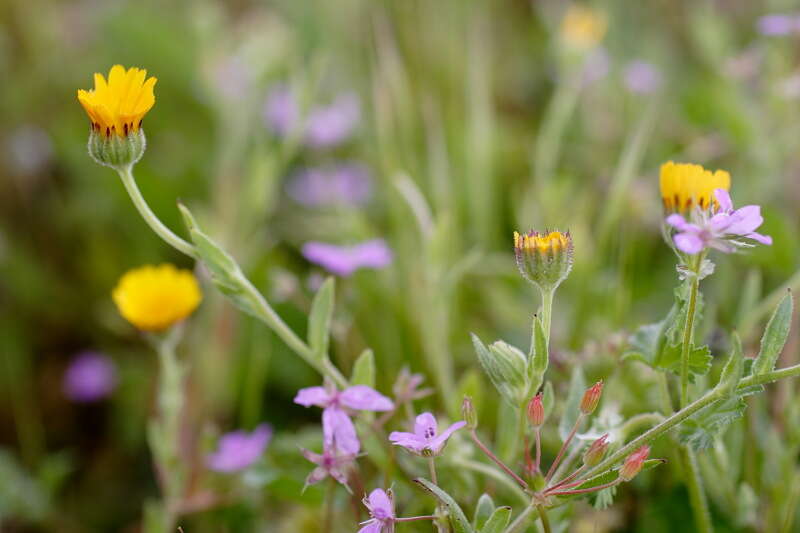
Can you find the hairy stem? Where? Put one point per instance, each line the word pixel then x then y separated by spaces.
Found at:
pixel 564 446
pixel 586 490
pixel 547 313
pixel 697 497
pixel 543 518
pixel 688 331
pixel 497 461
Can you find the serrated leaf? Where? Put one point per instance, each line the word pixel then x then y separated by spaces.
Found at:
pixel 577 386
pixel 483 510
pixel 319 319
pixel 775 335
pixel 457 518
pixel 699 360
pixel 498 521
pixel 700 429
pixel 364 369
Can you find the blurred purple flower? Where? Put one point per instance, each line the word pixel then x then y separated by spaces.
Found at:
pixel 597 66
pixel 90 377
pixel 719 230
pixel 425 440
pixel 332 462
pixel 281 110
pixel 642 77
pixel 337 428
pixel 381 509
pixel 332 124
pixel 238 450
pixel 406 387
pixel 344 260
pixel 345 184
pixel 777 24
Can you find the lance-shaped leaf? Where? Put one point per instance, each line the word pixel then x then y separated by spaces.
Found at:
pixel 498 521
pixel 775 336
pixel 499 369
pixel 319 320
pixel 458 519
pixel 364 369
pixel 483 510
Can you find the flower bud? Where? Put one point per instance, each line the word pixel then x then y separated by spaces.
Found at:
pixel 544 258
pixel 591 398
pixel 633 464
pixel 536 411
pixel 116 151
pixel 594 454
pixel 468 413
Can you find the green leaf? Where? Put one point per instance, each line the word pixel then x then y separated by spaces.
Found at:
pixel 732 371
pixel 775 336
pixel 539 356
pixel 364 369
pixel 319 320
pixel 458 520
pixel 483 510
pixel 699 360
pixel 498 521
pixel 548 399
pixel 577 386
pixel 700 429
pixel 606 477
pixel 497 370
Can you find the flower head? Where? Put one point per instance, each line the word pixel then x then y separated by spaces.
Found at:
pixel 721 229
pixel 591 398
pixel 332 462
pixel 91 376
pixel 583 28
pixel 544 258
pixel 684 186
pixel 344 260
pixel 239 449
pixel 117 106
pixel 595 452
pixel 153 298
pixel 381 509
pixel 536 411
pixel 425 440
pixel 634 463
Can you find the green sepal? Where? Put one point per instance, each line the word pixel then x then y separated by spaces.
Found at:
pixel 364 369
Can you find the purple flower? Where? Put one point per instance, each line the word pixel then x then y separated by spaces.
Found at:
pixel 332 462
pixel 90 377
pixel 381 509
pixel 332 124
pixel 425 440
pixel 281 110
pixel 347 184
pixel 344 260
pixel 642 77
pixel 777 24
pixel 239 449
pixel 406 388
pixel 337 428
pixel 718 229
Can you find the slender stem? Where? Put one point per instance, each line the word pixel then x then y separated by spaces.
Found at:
pixel 432 468
pixel 769 377
pixel 538 462
pixel 415 518
pixel 497 461
pixel 152 220
pixel 697 497
pixel 564 448
pixel 586 490
pixel 547 313
pixel 688 331
pixel 543 518
pixel 329 507
pixel 523 518
pixel 487 470
pixel 567 479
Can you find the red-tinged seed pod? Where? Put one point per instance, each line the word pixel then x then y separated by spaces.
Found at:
pixel 591 398
pixel 595 453
pixel 536 411
pixel 468 412
pixel 633 464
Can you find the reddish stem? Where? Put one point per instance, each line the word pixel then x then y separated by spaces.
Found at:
pixel 415 518
pixel 497 461
pixel 584 491
pixel 564 448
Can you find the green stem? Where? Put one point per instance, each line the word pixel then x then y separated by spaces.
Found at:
pixel 543 517
pixel 688 331
pixel 697 497
pixel 152 220
pixel 547 312
pixel 769 377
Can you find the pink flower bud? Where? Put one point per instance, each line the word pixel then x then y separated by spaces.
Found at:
pixel 594 454
pixel 633 464
pixel 536 411
pixel 591 398
pixel 468 412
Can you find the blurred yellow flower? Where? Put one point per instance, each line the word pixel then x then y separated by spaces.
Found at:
pixel 684 185
pixel 583 27
pixel 117 106
pixel 153 298
pixel 554 241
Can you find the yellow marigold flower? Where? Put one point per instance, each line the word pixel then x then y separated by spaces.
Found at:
pixel 583 27
pixel 684 185
pixel 153 298
pixel 117 106
pixel 544 258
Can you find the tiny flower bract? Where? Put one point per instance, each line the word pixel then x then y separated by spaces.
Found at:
pixel 153 298
pixel 118 105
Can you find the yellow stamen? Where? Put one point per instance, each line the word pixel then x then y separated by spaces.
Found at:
pixel 119 104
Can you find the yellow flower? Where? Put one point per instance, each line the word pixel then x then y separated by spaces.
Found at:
pixel 117 106
pixel 544 258
pixel 554 241
pixel 583 27
pixel 153 298
pixel 684 185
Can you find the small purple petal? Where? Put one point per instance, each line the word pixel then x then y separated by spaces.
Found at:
pixel 677 221
pixel 688 242
pixel 339 432
pixel 642 77
pixel 281 111
pixel 330 125
pixel 440 439
pixel 407 440
pixel 373 254
pixel 365 398
pixel 316 475
pixel 311 456
pixel 346 184
pixel 745 220
pixel 763 239
pixel 776 24
pixel 724 200
pixel 380 506
pixel 344 260
pixel 372 526
pixel 239 449
pixel 313 396
pixel 91 376
pixel 425 426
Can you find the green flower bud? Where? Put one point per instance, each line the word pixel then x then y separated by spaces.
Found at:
pixel 468 412
pixel 506 366
pixel 117 151
pixel 544 259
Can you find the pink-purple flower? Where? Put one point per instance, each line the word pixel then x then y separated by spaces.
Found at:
pixel 344 260
pixel 344 184
pixel 281 110
pixel 425 440
pixel 330 125
pixel 642 77
pixel 381 509
pixel 90 376
pixel 239 449
pixel 332 462
pixel 337 429
pixel 720 229
pixel 778 24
